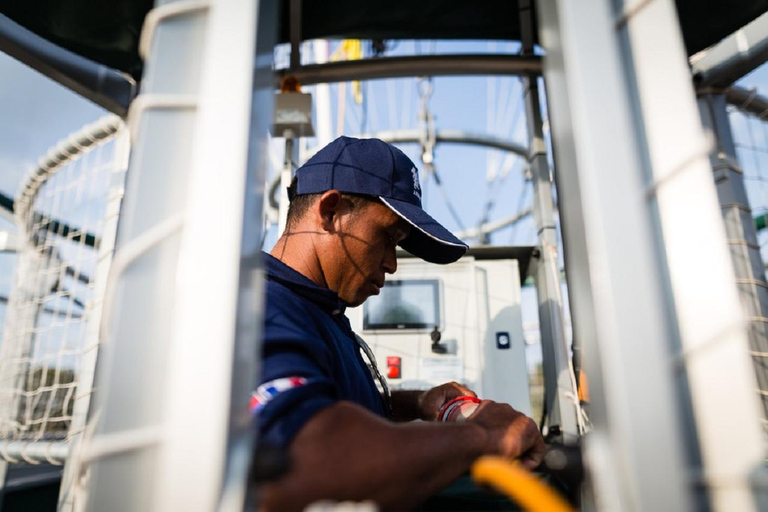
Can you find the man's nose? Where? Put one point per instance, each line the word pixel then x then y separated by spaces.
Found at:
pixel 390 260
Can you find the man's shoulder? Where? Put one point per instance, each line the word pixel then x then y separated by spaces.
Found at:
pixel 280 297
pixel 292 320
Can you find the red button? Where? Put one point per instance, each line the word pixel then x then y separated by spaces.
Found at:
pixel 393 372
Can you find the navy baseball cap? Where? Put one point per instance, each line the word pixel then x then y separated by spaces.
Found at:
pixel 375 168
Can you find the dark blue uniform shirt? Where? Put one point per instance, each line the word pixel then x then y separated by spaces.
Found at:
pixel 311 358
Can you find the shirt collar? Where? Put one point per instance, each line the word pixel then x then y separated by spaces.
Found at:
pixel 278 271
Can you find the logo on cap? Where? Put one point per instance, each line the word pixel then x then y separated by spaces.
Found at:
pixel 416 186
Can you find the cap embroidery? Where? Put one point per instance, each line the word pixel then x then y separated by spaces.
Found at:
pixel 416 186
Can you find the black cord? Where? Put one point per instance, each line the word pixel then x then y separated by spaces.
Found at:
pixel 364 106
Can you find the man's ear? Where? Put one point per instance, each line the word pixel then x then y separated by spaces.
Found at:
pixel 327 207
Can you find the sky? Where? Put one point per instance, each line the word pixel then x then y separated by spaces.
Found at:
pixel 37 113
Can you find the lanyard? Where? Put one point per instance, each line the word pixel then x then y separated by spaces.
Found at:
pixel 387 394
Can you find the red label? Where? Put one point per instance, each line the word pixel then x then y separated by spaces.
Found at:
pixel 393 361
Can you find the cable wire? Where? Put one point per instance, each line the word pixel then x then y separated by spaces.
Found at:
pixel 513 480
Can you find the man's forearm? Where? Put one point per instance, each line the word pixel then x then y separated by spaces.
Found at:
pixel 405 405
pixel 347 453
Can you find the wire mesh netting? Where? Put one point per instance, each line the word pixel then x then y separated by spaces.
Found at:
pixel 750 137
pixel 66 213
pixel 750 134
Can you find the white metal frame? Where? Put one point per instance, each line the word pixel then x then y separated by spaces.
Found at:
pixel 665 342
pixel 710 322
pixel 204 325
pixel 159 434
pixel 651 283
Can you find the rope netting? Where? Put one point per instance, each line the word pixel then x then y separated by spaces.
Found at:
pixel 66 213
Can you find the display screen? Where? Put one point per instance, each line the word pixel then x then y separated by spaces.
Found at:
pixel 408 304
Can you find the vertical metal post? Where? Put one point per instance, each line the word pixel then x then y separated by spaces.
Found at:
pixel 204 360
pixel 322 99
pixel 247 339
pixel 3 476
pixel 741 234
pixel 560 393
pixel 295 18
pixel 286 176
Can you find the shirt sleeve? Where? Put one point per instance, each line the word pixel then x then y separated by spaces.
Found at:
pixel 296 380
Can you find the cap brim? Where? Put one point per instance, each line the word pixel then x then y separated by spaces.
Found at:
pixel 428 239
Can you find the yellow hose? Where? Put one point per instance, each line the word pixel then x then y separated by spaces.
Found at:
pixel 513 480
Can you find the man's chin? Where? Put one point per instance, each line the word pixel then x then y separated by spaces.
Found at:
pixel 357 302
pixel 363 295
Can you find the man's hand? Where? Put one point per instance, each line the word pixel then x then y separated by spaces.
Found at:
pixel 409 405
pixel 431 401
pixel 510 433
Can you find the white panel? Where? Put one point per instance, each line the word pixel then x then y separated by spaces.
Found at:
pixel 504 370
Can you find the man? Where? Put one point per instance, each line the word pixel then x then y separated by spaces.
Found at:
pixel 352 204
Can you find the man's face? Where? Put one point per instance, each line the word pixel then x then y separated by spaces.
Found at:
pixel 364 251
